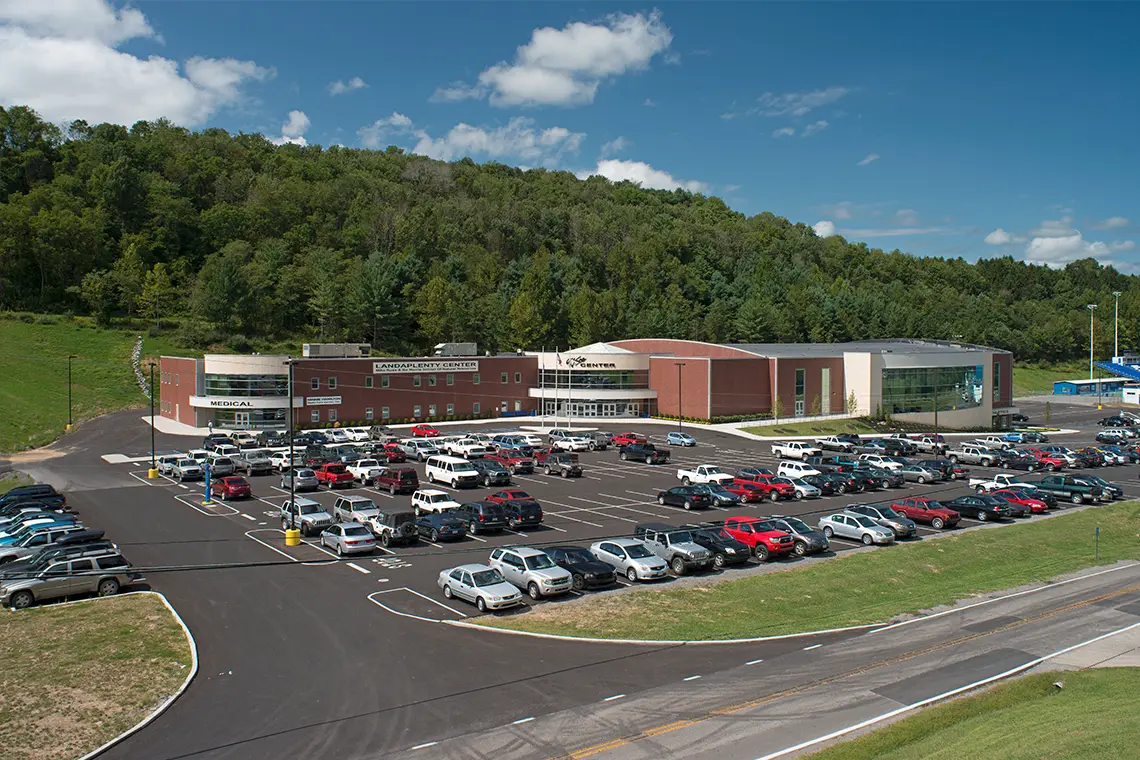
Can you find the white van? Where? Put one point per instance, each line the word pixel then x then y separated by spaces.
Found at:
pixel 452 470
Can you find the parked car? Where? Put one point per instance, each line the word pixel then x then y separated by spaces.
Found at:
pixel 254 462
pixel 705 473
pixel 796 469
pixel 232 487
pixel 926 511
pixel 840 482
pixel 305 515
pixel 1022 499
pixel 431 500
pixel 900 525
pixel 628 439
pixel 481 585
pixel 949 470
pixel 587 572
pixel 884 478
pixel 424 430
pixel 763 538
pixel 165 464
pixel 531 570
pixel 305 479
pixel 396 480
pixel 721 496
pixel 684 496
pixel 348 538
pixel 481 516
pixel 801 488
pixel 514 460
pixel 725 549
pixel 644 452
pixel 440 526
pixel 220 466
pixel 419 449
pixel 334 475
pixel 775 488
pixel 980 507
pixel 38 538
pixel 565 465
pixel 281 461
pixel 630 557
pixel 1109 491
pixel 1070 487
pixel 675 438
pixel 919 473
pixel 806 539
pixel 391 528
pixel 746 492
pixel 77 544
pixel 522 514
pixel 358 509
pixel 795 450
pixel 599 441
pixel 491 472
pixel 102 574
pixel 675 546
pixel 856 527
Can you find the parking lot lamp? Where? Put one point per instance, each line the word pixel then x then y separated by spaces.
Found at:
pixel 1116 323
pixel 153 472
pixel 69 358
pixel 679 365
pixel 1092 340
pixel 294 513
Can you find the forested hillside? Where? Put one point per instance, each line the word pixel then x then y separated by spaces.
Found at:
pixel 244 241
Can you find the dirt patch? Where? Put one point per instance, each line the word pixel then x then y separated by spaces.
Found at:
pixel 34 456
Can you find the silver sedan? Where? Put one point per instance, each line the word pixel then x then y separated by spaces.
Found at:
pixel 856 527
pixel 306 480
pixel 348 538
pixel 631 557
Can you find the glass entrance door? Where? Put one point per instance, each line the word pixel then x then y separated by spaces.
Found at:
pixel 241 420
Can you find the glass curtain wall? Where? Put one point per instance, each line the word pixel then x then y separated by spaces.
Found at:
pixel 606 379
pixel 920 389
pixel 247 385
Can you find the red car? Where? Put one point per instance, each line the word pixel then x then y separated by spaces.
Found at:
pixel 926 511
pixel 1050 462
pixel 540 454
pixel 1013 496
pixel 763 538
pixel 768 484
pixel 509 495
pixel 746 491
pixel 334 475
pixel 232 487
pixel 424 431
pixel 393 453
pixel 625 439
pixel 513 459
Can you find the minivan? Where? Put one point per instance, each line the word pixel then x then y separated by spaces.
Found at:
pixel 452 470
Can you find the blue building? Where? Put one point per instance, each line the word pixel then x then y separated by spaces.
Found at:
pixel 1106 386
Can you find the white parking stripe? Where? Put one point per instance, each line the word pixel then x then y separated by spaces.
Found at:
pixel 690 678
pixel 522 720
pixel 813 646
pixel 754 662
pixel 251 519
pixel 615 696
pixel 358 568
pixel 646 495
pixel 476 538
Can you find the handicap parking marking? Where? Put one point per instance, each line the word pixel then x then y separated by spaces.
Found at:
pixel 392 562
pixel 375 596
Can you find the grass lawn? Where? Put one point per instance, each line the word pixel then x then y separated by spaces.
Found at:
pixel 1092 717
pixel 852 589
pixel 1037 379
pixel 76 676
pixel 33 385
pixel 10 480
pixel 818 427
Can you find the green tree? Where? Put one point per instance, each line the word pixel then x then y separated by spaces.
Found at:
pixel 98 291
pixel 777 408
pixel 221 291
pixel 816 406
pixel 157 292
pixel 130 276
pixel 852 403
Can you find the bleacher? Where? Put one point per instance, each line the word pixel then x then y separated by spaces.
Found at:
pixel 1129 371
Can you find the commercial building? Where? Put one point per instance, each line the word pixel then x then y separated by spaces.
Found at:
pixel 929 382
pixel 1097 387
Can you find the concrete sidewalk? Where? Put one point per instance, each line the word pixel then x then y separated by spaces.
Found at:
pixel 1120 651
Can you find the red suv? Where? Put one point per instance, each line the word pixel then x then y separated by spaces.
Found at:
pixel 232 487
pixel 768 484
pixel 926 511
pixel 626 439
pixel 424 431
pixel 763 538
pixel 746 491
pixel 398 480
pixel 334 475
pixel 393 453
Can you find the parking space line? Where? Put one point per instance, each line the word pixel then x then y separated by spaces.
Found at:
pixel 565 516
pixel 476 538
pixel 358 568
pixel 560 530
pixel 646 495
pixel 813 646
pixel 690 678
pixel 530 480
pixel 425 745
pixel 433 601
pixel 183 485
pixel 517 533
pixel 379 493
pixel 615 696
pixel 251 519
pixel 522 720
pixel 582 509
pixel 754 662
pixel 271 548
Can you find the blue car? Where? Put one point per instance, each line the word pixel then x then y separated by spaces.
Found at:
pixel 1014 437
pixel 680 439
pixel 18 535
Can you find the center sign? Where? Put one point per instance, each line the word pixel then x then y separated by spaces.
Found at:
pixel 411 367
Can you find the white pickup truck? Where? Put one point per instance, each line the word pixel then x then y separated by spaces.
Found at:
pixel 705 473
pixel 834 443
pixel 468 448
pixel 365 470
pixel 930 444
pixel 795 449
pixel 1001 480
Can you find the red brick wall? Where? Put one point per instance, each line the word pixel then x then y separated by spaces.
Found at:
pixel 740 386
pixel 1004 366
pixel 178 382
pixel 786 383
pixel 401 396
pixel 694 385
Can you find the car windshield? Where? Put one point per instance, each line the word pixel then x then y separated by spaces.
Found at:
pixel 866 522
pixel 487 578
pixel 637 551
pixel 538 562
pixel 579 555
pixel 310 509
pixel 187 463
pixel 356 530
pixel 761 526
pixel 799 526
pixel 718 491
pixel 889 513
pixel 719 533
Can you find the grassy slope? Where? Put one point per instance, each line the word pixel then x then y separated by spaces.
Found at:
pixel 33 385
pixel 1093 717
pixel 818 427
pixel 1037 380
pixel 10 480
pixel 75 676
pixel 858 588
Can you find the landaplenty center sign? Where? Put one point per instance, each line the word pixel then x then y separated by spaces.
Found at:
pixel 411 367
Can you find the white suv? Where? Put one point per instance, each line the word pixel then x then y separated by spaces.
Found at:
pixel 431 500
pixel 881 461
pixel 796 469
pixel 571 443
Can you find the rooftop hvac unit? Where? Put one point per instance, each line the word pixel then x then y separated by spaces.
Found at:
pixel 335 350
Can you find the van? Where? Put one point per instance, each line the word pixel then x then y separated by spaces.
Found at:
pixel 453 470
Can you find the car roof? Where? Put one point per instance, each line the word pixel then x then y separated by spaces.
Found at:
pixel 432 492
pixel 622 541
pixel 353 497
pixel 524 551
pixel 471 568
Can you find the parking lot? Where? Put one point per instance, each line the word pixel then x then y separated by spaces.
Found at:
pixel 609 500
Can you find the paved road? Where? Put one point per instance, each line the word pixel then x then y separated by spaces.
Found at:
pixel 299 660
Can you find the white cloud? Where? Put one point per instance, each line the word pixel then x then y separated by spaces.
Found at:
pixel 824 228
pixel 293 130
pixel 907 217
pixel 649 102
pixel 340 88
pixel 895 232
pixel 1062 227
pixel 615 146
pixel 841 210
pixel 796 103
pixel 379 133
pixel 643 174
pixel 870 159
pixel 1058 250
pixel 1123 245
pixel 565 66
pixel 998 237
pixel 814 128
pixel 1111 223
pixel 783 131
pixel 60 57
pixel 732 188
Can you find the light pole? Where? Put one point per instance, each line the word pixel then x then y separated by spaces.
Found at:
pixel 679 365
pixel 153 472
pixel 1092 341
pixel 69 358
pixel 294 512
pixel 1116 323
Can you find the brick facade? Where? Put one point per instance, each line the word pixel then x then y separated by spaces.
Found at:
pixel 177 383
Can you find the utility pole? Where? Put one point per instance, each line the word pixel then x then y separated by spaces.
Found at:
pixel 153 473
pixel 1092 340
pixel 1116 323
pixel 679 365
pixel 294 513
pixel 69 358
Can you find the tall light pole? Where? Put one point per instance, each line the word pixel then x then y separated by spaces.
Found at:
pixel 1092 340
pixel 153 472
pixel 69 358
pixel 679 365
pixel 294 512
pixel 1116 323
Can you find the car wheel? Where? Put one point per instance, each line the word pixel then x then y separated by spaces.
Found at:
pixel 867 540
pixel 954 459
pixel 1032 467
pixel 108 587
pixel 800 548
pixel 385 540
pixel 591 447
pixel 532 591
pixel 921 480
pixel 434 535
pixel 688 504
pixel 1078 498
pixel 799 496
pixel 565 473
pixel 624 458
pixel 549 471
pixel 937 523
pixel 827 531
pixel 579 582
pixel 649 460
pixel 886 484
pixel 339 550
pixel 22 600
pixel 761 553
pixel 842 489
pixel 481 604
pixel 980 489
pixel 774 495
pixel 1005 465
pixel 1051 467
pixel 678 566
pixel 685 481
pixel 473 527
pixel 719 561
pixel 983 516
pixel 631 574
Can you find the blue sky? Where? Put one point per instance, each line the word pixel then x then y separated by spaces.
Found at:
pixel 969 129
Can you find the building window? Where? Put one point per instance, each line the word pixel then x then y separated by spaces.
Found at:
pixel 332 415
pixel 368 413
pixel 315 383
pixel 921 389
pixel 475 408
pixel 431 410
pixel 503 406
pixel 332 383
pixel 518 377
pixel 518 406
pixel 475 379
pixel 315 415
pixel 416 411
pixel 503 378
pixel 451 410
pixel 247 385
pixel 415 381
pixel 368 382
pixel 176 379
pixel 997 382
pixel 825 390
pixel 451 379
pixel 385 413
pixel 800 374
pixel 431 381
pixel 384 381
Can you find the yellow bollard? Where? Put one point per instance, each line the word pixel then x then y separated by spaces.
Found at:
pixel 152 473
pixel 292 537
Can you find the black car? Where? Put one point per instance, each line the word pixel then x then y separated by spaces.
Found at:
pixel 214 440
pixel 750 473
pixel 826 487
pixel 725 549
pixel 522 514
pixel 1019 418
pixel 885 478
pixel 1106 437
pixel 644 452
pixel 980 507
pixel 1015 460
pixel 48 502
pixel 440 526
pixel 949 470
pixel 899 447
pixel 849 438
pixel 587 571
pixel 841 482
pixel 491 473
pixel 24 493
pixel 719 495
pixel 271 438
pixel 684 496
pixel 481 516
pixel 864 480
pixel 1116 421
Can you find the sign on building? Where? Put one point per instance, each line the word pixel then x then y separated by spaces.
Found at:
pixel 411 367
pixel 322 400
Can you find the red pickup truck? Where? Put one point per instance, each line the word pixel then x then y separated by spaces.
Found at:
pixel 626 439
pixel 1048 461
pixel 513 459
pixel 767 483
pixel 763 538
pixel 334 475
pixel 926 511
